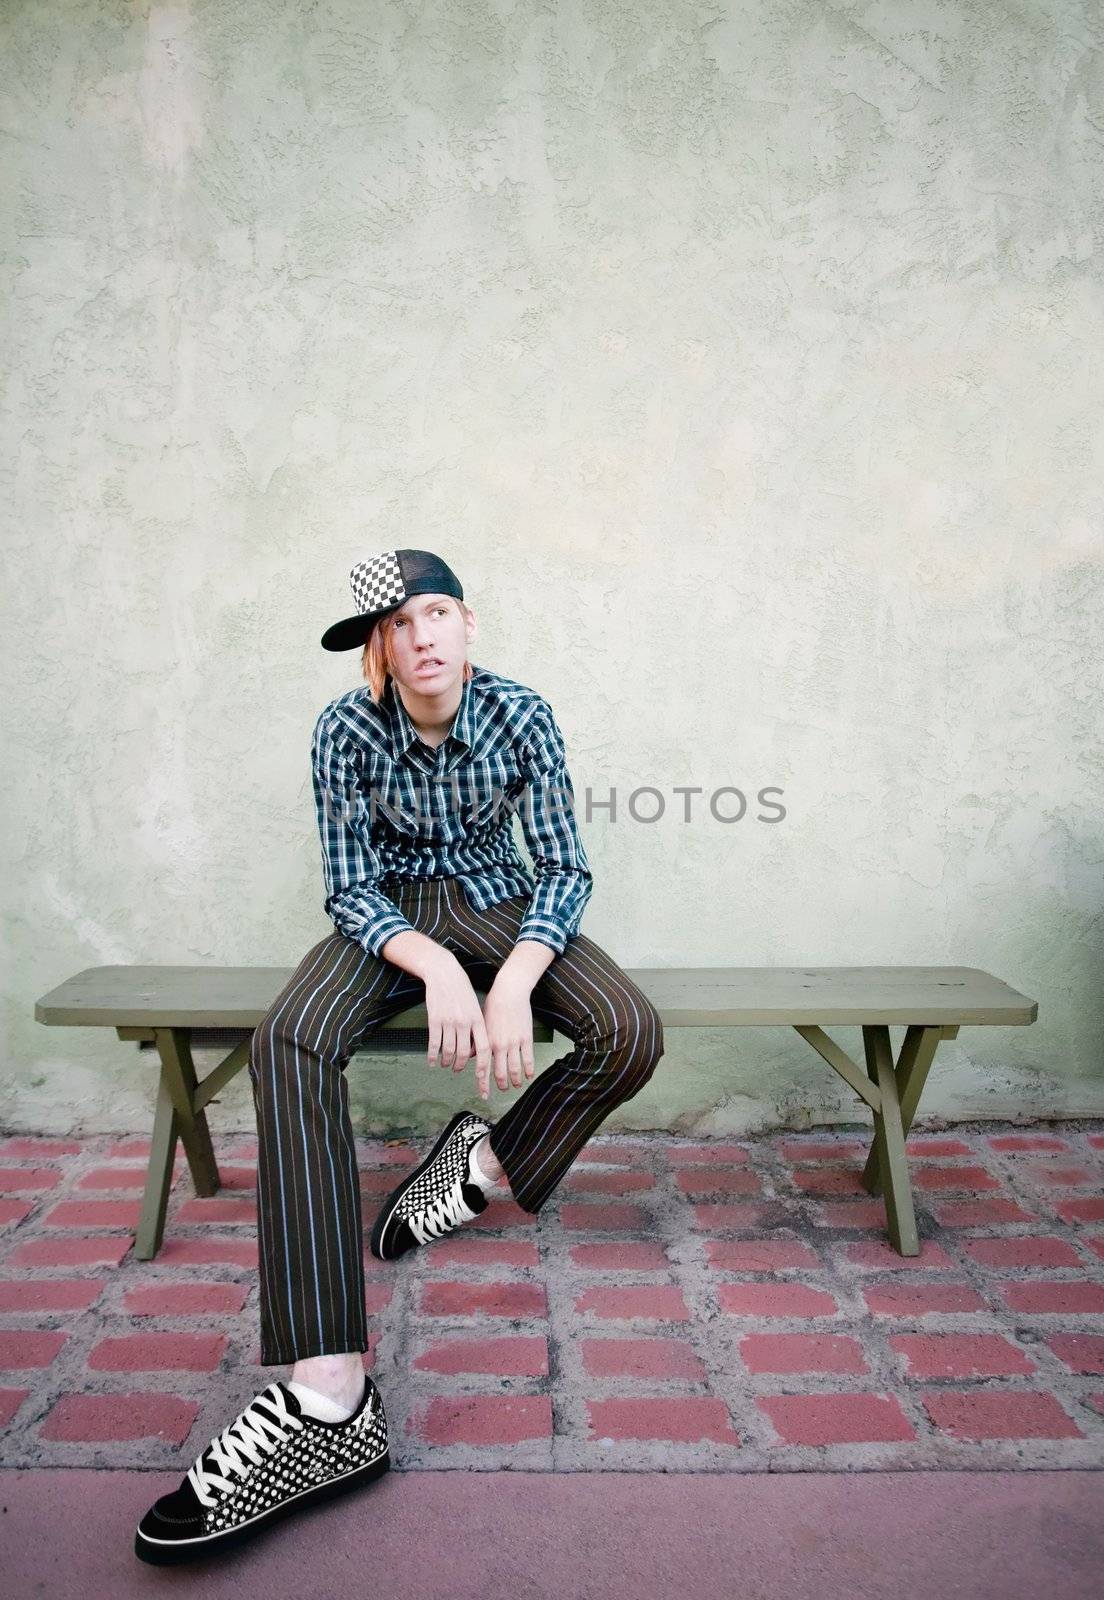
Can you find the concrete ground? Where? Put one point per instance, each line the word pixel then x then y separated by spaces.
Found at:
pixel 680 1312
pixel 584 1536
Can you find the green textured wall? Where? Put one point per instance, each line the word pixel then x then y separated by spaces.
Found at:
pixel 743 358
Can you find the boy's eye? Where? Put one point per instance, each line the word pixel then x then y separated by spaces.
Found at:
pixel 400 620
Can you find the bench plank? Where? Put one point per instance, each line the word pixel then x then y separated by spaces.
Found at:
pixel 686 997
pixel 748 997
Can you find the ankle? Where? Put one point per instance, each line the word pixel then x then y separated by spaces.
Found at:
pixel 339 1377
pixel 488 1161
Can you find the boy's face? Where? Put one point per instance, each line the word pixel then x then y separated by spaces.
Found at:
pixel 429 636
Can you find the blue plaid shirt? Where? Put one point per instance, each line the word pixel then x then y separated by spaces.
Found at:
pixel 392 809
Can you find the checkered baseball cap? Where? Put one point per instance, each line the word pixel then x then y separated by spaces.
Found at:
pixel 381 584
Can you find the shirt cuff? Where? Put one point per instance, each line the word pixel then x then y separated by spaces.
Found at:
pixel 543 933
pixel 376 936
pixel 368 919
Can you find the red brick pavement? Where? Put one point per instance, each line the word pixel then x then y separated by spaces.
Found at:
pixel 726 1305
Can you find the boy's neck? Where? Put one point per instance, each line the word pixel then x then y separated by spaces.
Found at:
pixel 431 715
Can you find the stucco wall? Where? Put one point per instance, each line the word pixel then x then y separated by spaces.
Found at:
pixel 744 359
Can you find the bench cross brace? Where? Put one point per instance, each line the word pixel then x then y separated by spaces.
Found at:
pixel 179 1115
pixel 892 1091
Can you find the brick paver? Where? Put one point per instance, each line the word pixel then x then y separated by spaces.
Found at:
pixel 802 1352
pixel 514 1356
pixel 961 1355
pixel 1002 1414
pixel 666 1418
pixel 827 1419
pixel 482 1419
pixel 679 1304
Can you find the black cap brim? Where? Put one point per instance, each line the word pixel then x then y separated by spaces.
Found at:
pixel 352 631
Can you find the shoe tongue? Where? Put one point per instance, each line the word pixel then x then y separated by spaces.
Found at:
pixel 291 1399
pixel 474 1197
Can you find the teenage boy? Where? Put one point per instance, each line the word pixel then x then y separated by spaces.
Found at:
pixel 416 780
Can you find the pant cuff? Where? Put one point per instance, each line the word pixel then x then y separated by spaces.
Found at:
pixel 526 1205
pixel 330 1347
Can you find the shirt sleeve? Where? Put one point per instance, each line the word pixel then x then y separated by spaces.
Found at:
pixel 564 881
pixel 350 864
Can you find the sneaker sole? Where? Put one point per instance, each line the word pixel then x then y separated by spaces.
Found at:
pixel 391 1204
pixel 172 1552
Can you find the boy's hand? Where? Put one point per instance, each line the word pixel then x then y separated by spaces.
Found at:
pixel 455 1020
pixel 508 1016
pixel 501 1034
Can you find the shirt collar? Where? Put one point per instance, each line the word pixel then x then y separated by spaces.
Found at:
pixel 404 733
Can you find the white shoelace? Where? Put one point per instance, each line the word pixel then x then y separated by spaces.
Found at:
pixel 441 1215
pixel 253 1434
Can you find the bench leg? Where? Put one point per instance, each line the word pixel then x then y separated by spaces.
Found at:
pixel 913 1064
pixel 889 1141
pixel 151 1224
pixel 176 1117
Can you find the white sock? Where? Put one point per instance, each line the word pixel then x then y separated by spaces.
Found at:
pixel 316 1404
pixel 478 1176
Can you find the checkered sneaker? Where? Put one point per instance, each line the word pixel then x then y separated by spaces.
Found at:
pixel 377 582
pixel 437 1196
pixel 273 1459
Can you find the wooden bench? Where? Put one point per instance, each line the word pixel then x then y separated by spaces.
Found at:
pixel 174 1009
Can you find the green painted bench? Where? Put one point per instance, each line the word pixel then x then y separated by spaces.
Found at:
pixel 174 1009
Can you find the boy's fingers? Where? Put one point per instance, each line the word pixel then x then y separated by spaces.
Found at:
pixel 434 1041
pixel 482 1056
pixel 463 1049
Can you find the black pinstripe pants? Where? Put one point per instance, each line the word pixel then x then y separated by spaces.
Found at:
pixel 308 1194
